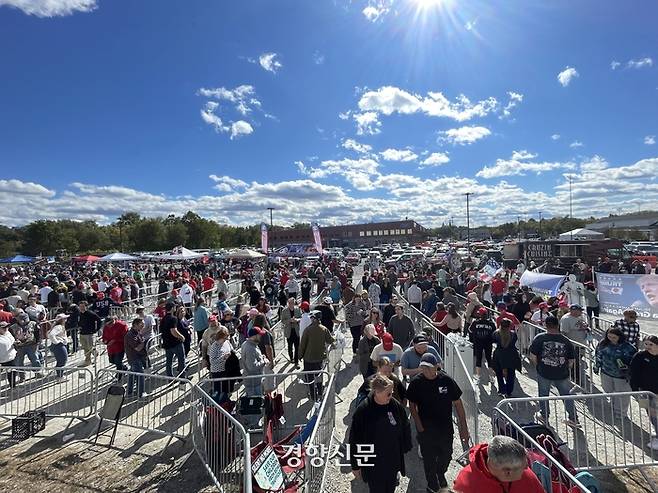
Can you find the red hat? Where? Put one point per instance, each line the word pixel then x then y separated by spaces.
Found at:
pixel 304 305
pixel 387 341
pixel 100 295
pixel 482 311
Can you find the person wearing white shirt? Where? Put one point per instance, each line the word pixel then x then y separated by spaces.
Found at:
pixel 222 286
pixel 415 295
pixel 34 311
pixel 7 352
pixel 44 292
pixel 305 319
pixel 186 294
pixel 292 286
pixel 58 340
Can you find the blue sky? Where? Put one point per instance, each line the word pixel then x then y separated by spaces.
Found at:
pixel 336 111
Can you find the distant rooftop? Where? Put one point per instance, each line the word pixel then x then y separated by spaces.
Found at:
pixel 647 219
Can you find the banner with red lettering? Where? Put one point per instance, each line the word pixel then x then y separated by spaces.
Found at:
pixel 316 237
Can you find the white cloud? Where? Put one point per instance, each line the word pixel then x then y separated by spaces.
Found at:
pixel 514 99
pixel 388 100
pixel 24 188
pixel 465 135
pixel 614 65
pixel 567 75
pixel 470 25
pixel 521 155
pixel 640 63
pixel 555 137
pixel 401 155
pixel 650 140
pixel 377 9
pixel 270 62
pixel 318 58
pixel 51 8
pixel 436 159
pixel 575 144
pixel 242 99
pixel 519 164
pixel 226 183
pixel 353 145
pixel 240 128
pixel 367 123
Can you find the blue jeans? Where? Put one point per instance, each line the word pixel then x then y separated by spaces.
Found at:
pixel 61 356
pixel 563 387
pixel 30 352
pixel 179 351
pixel 136 366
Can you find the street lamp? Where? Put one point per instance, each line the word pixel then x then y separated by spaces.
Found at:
pixel 270 209
pixel 468 222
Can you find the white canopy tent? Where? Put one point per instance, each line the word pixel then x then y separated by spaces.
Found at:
pixel 245 253
pixel 582 234
pixel 180 253
pixel 117 257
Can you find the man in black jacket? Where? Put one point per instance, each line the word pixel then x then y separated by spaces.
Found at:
pixel 90 323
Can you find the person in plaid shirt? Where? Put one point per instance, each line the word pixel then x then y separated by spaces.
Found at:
pixel 629 327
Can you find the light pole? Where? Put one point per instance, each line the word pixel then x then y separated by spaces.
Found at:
pixel 539 224
pixel 468 222
pixel 270 209
pixel 570 198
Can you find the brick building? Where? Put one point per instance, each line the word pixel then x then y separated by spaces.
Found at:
pixel 354 235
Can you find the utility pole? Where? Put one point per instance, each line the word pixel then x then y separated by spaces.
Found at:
pixel 271 209
pixel 570 198
pixel 539 224
pixel 468 222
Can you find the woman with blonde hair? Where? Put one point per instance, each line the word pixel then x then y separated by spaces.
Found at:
pixel 381 424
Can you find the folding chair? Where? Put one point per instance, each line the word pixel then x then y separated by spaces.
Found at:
pixel 114 398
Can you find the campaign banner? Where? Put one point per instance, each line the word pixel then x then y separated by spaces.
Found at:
pixel 618 292
pixel 540 283
pixel 263 237
pixel 316 237
pixel 491 268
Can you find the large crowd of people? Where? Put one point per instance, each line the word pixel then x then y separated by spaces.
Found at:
pixel 189 307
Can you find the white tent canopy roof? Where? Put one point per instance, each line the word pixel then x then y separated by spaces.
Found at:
pixel 181 253
pixel 244 253
pixel 118 257
pixel 581 233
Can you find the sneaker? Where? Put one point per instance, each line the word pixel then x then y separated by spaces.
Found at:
pixel 572 423
pixel 145 395
pixel 653 443
pixel 539 417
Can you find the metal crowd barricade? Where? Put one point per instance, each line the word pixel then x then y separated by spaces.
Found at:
pixel 470 393
pixel 581 373
pixel 615 428
pixel 454 365
pixel 72 396
pixel 294 388
pixel 222 444
pixel 320 440
pixel 165 410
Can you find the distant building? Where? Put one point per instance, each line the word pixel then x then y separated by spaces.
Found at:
pixel 353 235
pixel 643 223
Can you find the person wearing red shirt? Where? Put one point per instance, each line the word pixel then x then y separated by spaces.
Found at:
pixel 502 310
pixel 499 466
pixel 4 315
pixel 113 336
pixel 438 316
pixel 115 293
pixel 498 287
pixel 284 278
